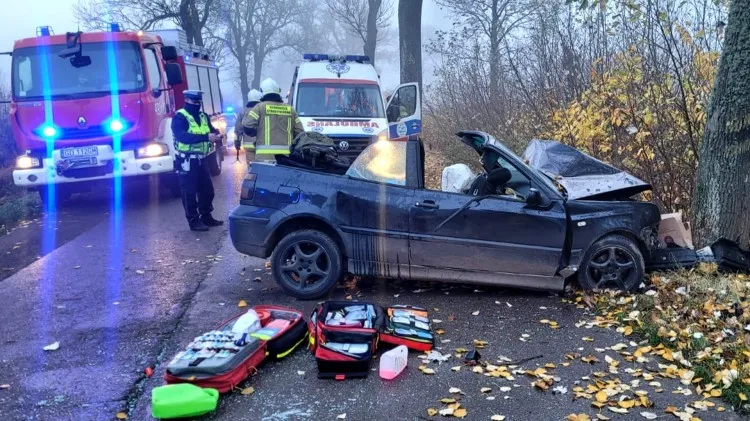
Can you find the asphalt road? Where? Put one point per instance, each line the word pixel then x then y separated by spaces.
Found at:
pixel 122 291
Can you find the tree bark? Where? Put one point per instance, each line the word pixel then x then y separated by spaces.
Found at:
pixel 258 59
pixel 371 41
pixel 494 53
pixel 410 40
pixel 722 199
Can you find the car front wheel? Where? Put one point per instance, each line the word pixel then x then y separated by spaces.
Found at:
pixel 307 264
pixel 612 262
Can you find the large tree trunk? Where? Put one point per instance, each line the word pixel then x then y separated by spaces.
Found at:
pixel 257 68
pixel 371 40
pixel 722 199
pixel 244 82
pixel 494 54
pixel 410 40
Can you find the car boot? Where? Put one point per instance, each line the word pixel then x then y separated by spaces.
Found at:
pixel 209 220
pixel 197 225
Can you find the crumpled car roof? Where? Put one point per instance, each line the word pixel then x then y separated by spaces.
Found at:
pixel 583 176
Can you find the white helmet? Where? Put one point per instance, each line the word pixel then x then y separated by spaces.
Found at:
pixel 269 86
pixel 254 96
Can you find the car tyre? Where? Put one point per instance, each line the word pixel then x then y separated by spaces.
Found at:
pixel 612 262
pixel 214 162
pixel 307 264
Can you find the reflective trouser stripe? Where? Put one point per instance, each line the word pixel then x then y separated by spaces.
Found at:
pixel 253 114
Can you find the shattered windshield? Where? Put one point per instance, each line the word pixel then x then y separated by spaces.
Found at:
pixel 382 162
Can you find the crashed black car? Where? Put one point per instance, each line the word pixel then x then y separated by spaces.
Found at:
pixel 532 225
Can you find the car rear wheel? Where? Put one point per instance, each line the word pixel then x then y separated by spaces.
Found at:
pixel 612 262
pixel 307 264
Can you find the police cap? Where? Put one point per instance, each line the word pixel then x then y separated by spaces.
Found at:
pixel 195 95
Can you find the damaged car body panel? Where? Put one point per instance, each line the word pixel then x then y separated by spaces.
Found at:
pixel 379 220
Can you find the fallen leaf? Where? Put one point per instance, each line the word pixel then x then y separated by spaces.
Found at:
pixel 248 391
pixel 300 373
pixel 460 413
pixel 4 386
pixel 428 371
pixel 455 390
pixel 456 368
pixel 578 417
pixel 601 396
pixel 140 271
pixel 242 303
pixel 617 410
pixel 77 267
pixel 447 400
pixel 341 416
pixel 121 416
pixel 497 417
pixel 742 396
pixel 431 412
pixel 602 417
pixel 486 390
pixel 476 313
pixel 52 347
pixel 446 411
pixel 439 331
pixel 649 415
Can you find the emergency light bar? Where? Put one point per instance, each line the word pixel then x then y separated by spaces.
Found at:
pixel 43 31
pixel 114 27
pixel 333 57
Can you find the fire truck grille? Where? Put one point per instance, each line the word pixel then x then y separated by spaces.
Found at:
pixel 85 133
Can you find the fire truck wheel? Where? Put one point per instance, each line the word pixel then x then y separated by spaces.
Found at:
pixel 214 163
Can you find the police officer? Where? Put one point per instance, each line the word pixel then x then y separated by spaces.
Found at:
pixel 193 135
pixel 247 142
pixel 273 123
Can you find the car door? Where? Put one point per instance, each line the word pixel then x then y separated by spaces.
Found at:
pixel 404 112
pixel 374 211
pixel 494 235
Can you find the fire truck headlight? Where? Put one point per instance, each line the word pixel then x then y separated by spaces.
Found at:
pixel 49 132
pixel 25 162
pixel 152 149
pixel 115 126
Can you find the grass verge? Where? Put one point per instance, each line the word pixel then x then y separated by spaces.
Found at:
pixel 16 204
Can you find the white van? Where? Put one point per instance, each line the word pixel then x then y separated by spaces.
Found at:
pixel 340 97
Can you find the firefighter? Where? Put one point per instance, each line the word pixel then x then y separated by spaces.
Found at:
pixel 193 135
pixel 247 142
pixel 273 123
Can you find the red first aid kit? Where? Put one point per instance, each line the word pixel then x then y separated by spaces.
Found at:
pixel 344 335
pixel 222 359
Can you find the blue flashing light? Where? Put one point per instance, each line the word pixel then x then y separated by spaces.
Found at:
pixel 316 57
pixel 114 27
pixel 44 31
pixel 230 109
pixel 358 59
pixel 187 58
pixel 48 131
pixel 115 125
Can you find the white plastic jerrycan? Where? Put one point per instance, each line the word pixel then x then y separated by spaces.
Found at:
pixel 393 362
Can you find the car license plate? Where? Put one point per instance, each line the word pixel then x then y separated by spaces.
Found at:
pixel 83 152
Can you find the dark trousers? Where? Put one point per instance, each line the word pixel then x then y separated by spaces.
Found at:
pixel 197 190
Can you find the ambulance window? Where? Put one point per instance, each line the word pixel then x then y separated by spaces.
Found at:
pixel 205 86
pixel 215 92
pixel 403 104
pixel 152 67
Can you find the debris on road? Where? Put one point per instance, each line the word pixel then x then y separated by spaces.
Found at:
pixel 52 347
pixel 4 386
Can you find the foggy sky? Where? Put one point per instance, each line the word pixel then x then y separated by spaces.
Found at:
pixel 59 15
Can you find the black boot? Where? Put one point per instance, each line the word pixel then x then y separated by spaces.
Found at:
pixel 197 225
pixel 210 221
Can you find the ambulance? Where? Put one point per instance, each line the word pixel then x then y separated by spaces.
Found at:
pixel 340 96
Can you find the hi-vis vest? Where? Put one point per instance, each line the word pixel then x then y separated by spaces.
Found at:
pixel 275 125
pixel 194 128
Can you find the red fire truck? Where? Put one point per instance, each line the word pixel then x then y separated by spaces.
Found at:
pixel 93 106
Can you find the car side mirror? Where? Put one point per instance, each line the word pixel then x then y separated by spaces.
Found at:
pixel 534 198
pixel 174 74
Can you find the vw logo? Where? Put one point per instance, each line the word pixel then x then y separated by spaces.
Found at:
pixel 343 145
pixel 81 121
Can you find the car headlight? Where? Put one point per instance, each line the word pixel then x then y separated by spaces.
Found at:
pixel 383 136
pixel 26 162
pixel 152 149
